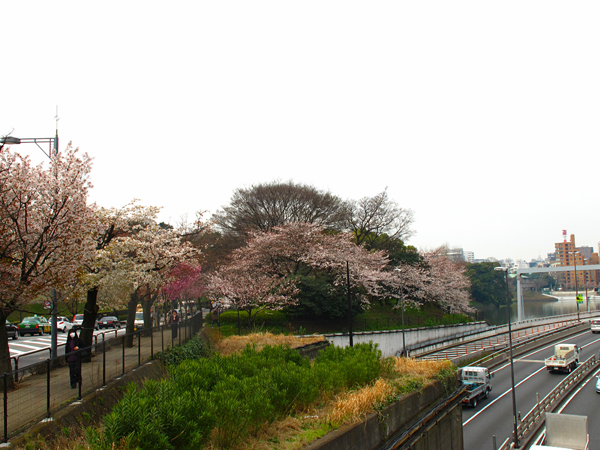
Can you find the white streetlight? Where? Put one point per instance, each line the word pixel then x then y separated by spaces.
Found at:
pixel 512 369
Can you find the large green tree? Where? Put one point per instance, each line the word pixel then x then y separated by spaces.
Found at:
pixel 488 286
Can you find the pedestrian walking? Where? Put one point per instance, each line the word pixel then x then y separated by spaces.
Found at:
pixel 174 325
pixel 215 316
pixel 73 357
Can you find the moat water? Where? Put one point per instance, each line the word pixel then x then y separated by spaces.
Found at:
pixel 564 304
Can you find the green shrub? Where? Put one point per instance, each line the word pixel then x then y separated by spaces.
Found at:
pixel 196 348
pixel 229 397
pixel 264 317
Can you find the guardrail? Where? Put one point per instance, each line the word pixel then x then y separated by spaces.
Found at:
pixel 530 421
pixel 42 388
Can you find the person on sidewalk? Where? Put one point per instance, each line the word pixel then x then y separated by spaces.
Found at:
pixel 174 325
pixel 73 357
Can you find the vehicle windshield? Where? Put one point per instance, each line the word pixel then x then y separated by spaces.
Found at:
pixel 78 316
pixel 31 319
pixel 139 316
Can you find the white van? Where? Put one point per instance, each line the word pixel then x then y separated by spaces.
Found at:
pixel 596 326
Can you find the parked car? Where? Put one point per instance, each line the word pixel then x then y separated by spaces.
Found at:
pixel 598 385
pixel 595 326
pixel 12 330
pixel 34 325
pixel 78 322
pixel 109 322
pixel 63 324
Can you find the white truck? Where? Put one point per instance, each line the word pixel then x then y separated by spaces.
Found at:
pixel 565 432
pixel 565 358
pixel 478 381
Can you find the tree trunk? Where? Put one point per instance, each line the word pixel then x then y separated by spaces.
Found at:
pixel 90 314
pixel 146 308
pixel 5 363
pixel 131 306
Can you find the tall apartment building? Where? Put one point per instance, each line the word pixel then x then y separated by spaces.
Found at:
pixel 567 254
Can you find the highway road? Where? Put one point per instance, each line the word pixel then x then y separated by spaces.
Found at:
pixel 25 344
pixel 584 401
pixel 494 416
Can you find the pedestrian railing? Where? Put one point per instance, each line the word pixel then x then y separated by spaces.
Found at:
pixel 34 392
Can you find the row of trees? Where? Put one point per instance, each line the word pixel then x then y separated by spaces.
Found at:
pixel 276 245
pixel 52 238
pixel 285 245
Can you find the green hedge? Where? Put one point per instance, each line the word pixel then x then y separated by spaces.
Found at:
pixel 225 399
pixel 264 317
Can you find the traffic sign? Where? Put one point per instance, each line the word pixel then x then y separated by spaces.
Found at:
pixel 47 304
pixel 579 298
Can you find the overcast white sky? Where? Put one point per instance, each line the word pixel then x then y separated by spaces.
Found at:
pixel 482 117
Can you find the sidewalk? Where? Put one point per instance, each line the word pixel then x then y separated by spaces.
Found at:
pixel 39 393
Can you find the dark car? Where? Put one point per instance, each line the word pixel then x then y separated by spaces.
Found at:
pixel 109 322
pixel 12 330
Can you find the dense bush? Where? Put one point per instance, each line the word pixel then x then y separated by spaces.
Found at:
pixel 195 348
pixel 224 399
pixel 264 317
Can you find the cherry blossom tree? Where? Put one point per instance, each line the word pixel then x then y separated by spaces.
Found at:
pixel 45 229
pixel 187 283
pixel 445 282
pixel 144 260
pixel 110 224
pixel 262 274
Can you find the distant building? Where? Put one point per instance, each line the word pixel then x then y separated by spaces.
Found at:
pixel 567 254
pixel 455 254
pixel 469 256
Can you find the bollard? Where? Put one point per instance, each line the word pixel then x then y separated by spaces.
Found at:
pixel 48 388
pixel 494 445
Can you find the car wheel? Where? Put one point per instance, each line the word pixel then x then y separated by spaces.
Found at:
pixel 474 402
pixel 487 394
pixel 16 335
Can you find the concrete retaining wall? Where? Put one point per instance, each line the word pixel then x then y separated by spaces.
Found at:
pixel 376 429
pixel 390 341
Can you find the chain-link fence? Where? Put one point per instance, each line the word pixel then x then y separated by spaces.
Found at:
pixel 33 392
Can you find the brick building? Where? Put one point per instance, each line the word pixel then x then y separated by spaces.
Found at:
pixel 567 254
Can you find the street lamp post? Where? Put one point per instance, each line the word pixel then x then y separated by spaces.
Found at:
pixel 574 252
pixel 512 369
pixel 402 303
pixel 52 151
pixel 351 342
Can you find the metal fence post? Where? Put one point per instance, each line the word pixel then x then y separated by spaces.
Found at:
pixel 151 342
pixel 123 354
pixel 80 375
pixel 104 363
pixel 162 337
pixel 5 407
pixel 48 388
pixel 139 348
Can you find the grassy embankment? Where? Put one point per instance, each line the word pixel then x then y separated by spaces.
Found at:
pixel 254 393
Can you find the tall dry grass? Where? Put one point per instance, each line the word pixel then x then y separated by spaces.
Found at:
pixel 235 344
pixel 407 372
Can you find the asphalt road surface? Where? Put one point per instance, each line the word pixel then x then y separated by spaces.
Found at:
pixel 40 346
pixel 494 416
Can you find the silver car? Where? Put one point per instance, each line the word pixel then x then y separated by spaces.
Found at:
pixel 598 385
pixel 78 322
